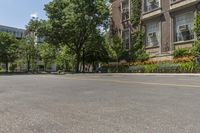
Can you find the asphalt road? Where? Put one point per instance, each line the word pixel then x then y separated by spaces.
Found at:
pixel 99 104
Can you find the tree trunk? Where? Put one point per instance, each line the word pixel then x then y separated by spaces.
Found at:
pixel 66 66
pixel 93 66
pixel 77 61
pixel 117 65
pixel 45 66
pixel 83 60
pixel 7 67
pixel 28 65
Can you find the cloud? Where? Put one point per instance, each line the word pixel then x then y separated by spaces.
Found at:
pixel 34 15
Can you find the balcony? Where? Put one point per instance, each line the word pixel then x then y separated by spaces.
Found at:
pixel 181 4
pixel 152 9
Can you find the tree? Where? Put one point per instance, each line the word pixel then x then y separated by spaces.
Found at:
pixel 65 58
pixel 196 44
pixel 28 51
pixel 114 46
pixel 47 54
pixel 138 52
pixel 72 22
pixel 95 50
pixel 8 49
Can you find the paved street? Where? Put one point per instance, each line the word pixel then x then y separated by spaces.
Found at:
pixel 99 104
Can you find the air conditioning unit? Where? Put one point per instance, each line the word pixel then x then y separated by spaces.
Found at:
pixel 152 1
pixel 183 28
pixel 152 35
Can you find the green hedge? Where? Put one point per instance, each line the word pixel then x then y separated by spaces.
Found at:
pixel 187 67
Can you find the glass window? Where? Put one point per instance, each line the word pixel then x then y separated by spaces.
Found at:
pixel 152 34
pixel 125 10
pixel 126 38
pixel 150 5
pixel 183 27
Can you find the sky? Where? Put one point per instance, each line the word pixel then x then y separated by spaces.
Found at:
pixel 17 13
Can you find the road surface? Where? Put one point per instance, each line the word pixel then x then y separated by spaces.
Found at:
pixel 99 104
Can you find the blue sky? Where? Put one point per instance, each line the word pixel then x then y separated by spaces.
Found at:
pixel 17 13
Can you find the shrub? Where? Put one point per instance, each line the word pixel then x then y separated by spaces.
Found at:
pixel 182 52
pixel 151 68
pixel 188 67
pixel 168 68
pixel 196 48
pixel 137 69
pixel 142 55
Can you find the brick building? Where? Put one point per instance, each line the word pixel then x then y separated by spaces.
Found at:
pixel 168 24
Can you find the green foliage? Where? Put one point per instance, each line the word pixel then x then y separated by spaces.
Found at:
pixel 137 52
pixel 196 44
pixel 137 69
pixel 151 68
pixel 197 26
pixel 141 55
pixel 8 49
pixel 188 67
pixel 196 48
pixel 73 22
pixel 28 51
pixel 168 68
pixel 182 52
pixel 95 50
pixel 65 59
pixel 114 46
pixel 33 25
pixel 47 54
pixel 185 67
pixel 12 67
pixel 136 12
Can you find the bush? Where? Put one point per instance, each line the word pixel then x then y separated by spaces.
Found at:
pixel 137 69
pixel 182 52
pixel 188 67
pixel 159 67
pixel 196 48
pixel 142 55
pixel 168 68
pixel 151 68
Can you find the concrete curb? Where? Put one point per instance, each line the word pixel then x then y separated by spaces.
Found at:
pixel 139 74
pixel 158 74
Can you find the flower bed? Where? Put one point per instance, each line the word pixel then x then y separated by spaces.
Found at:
pixel 178 65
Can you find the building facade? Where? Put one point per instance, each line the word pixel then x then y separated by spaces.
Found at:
pixel 168 24
pixel 18 33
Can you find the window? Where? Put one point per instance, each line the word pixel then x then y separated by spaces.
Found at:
pixel 150 5
pixel 125 10
pixel 183 27
pixel 126 38
pixel 152 34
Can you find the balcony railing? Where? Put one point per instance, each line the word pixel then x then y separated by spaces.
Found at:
pixel 152 7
